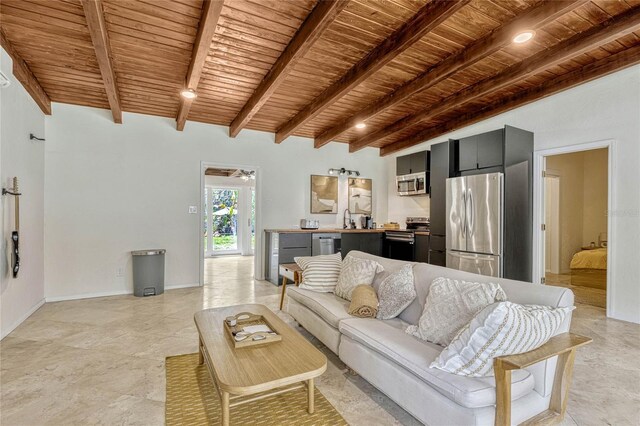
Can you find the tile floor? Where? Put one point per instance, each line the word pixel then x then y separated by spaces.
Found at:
pixel 101 361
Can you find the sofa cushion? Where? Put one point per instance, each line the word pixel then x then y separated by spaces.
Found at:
pixel 355 272
pixel 327 306
pixel 395 293
pixel 450 305
pixel 502 328
pixel 320 273
pixel 389 339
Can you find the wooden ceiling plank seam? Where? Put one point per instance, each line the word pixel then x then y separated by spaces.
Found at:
pixel 603 33
pixel 535 17
pixel 211 10
pixel 97 26
pixel 25 76
pixel 423 22
pixel 600 68
pixel 310 31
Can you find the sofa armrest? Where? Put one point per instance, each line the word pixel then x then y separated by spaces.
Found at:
pixel 557 345
pixel 564 347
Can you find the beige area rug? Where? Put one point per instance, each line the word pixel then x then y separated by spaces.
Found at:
pixel 193 400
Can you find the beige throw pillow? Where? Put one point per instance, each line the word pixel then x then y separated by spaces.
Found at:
pixel 450 305
pixel 355 272
pixel 500 329
pixel 395 293
pixel 320 273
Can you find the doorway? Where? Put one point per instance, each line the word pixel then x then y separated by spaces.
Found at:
pixel 229 215
pixel 575 228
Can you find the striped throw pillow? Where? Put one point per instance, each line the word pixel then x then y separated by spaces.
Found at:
pixel 502 328
pixel 320 273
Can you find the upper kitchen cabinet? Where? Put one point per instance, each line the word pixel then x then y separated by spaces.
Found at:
pixel 417 162
pixel 480 151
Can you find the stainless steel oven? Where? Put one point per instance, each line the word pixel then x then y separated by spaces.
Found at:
pixel 400 245
pixel 413 184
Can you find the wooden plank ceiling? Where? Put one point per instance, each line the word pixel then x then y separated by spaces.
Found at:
pixel 410 70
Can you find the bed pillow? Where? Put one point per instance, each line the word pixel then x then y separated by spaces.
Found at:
pixel 354 273
pixel 395 293
pixel 450 305
pixel 500 329
pixel 320 273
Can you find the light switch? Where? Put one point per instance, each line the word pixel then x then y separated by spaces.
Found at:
pixel 193 209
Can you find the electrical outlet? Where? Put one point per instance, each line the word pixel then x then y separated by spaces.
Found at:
pixel 193 209
pixel 120 272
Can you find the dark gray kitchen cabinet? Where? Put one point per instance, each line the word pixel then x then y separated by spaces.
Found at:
pixel 422 248
pixel 293 245
pixel 418 162
pixel 368 242
pixel 467 153
pixel 490 149
pixel 441 169
pixel 480 151
pixel 403 165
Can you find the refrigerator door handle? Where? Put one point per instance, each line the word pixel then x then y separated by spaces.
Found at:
pixel 463 228
pixel 469 214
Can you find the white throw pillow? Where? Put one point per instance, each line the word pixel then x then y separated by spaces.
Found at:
pixel 395 293
pixel 503 328
pixel 320 273
pixel 450 305
pixel 354 273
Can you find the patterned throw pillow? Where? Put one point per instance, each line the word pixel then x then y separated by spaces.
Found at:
pixel 450 305
pixel 355 272
pixel 500 329
pixel 395 293
pixel 320 273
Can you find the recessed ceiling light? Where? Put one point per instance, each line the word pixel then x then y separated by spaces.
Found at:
pixel 524 36
pixel 360 126
pixel 188 93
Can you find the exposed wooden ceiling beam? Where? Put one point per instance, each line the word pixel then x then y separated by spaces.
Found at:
pixel 533 18
pixel 23 74
pixel 603 33
pixel 608 65
pixel 312 28
pixel 100 38
pixel 208 22
pixel 220 172
pixel 427 18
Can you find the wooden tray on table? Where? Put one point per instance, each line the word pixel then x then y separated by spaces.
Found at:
pixel 244 319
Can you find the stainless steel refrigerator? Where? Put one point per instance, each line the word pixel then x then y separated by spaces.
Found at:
pixel 475 223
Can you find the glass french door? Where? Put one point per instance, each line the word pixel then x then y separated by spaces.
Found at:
pixel 221 233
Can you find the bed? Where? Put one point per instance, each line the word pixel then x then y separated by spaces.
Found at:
pixel 589 268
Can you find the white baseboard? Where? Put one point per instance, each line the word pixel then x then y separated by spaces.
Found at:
pixel 15 325
pixel 87 296
pixel 109 293
pixel 173 287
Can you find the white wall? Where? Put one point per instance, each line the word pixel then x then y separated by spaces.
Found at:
pixel 20 116
pixel 570 169
pixel 607 108
pixel 114 188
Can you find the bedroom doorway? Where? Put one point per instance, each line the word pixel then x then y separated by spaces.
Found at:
pixel 576 223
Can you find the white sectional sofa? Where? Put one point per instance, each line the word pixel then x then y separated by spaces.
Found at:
pixel 398 364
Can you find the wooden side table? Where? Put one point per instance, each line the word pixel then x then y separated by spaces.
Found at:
pixel 564 346
pixel 292 272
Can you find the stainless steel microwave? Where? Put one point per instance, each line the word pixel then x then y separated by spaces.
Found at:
pixel 413 184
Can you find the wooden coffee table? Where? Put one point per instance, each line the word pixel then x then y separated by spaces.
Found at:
pixel 247 374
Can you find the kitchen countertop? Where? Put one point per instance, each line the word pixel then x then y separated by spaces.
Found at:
pixel 326 230
pixel 337 230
